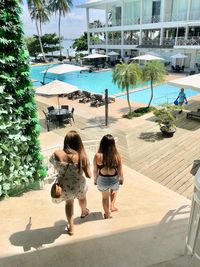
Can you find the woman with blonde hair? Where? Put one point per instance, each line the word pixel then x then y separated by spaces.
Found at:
pixel 71 163
pixel 108 174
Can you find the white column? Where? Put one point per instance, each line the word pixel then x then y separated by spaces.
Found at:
pixel 140 38
pixel 106 18
pixel 162 12
pixel 141 11
pixel 186 32
pixel 161 35
pixel 122 13
pixel 88 21
pixel 188 9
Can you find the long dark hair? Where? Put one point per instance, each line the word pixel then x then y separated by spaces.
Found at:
pixel 73 144
pixel 108 148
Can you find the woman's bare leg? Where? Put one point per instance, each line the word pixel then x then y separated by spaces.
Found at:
pixel 69 210
pixel 105 202
pixel 83 206
pixel 113 195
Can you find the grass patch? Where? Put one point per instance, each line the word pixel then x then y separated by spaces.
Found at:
pixel 138 112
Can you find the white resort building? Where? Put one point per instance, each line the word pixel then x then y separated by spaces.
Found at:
pixel 133 27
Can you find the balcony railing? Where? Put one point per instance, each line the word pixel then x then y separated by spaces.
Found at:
pixel 114 42
pixel 190 41
pixel 168 42
pixel 97 42
pixel 151 19
pixel 175 17
pixel 131 42
pixel 146 42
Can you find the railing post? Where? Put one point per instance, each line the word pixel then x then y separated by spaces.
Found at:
pixel 106 107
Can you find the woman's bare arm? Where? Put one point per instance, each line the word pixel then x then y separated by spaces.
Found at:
pixel 120 172
pixel 95 169
pixel 87 170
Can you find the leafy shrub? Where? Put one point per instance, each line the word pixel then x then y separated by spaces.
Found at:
pixel 20 158
pixel 138 112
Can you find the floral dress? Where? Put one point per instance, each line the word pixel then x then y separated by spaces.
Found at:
pixel 72 182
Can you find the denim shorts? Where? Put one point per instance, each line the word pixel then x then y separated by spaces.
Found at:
pixel 105 183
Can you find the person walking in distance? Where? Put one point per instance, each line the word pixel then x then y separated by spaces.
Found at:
pixel 181 99
pixel 108 174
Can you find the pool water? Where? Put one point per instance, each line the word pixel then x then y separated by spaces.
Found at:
pixel 163 93
pixel 97 82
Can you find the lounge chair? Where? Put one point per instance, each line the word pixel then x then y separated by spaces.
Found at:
pixel 193 114
pixel 97 101
pixel 86 97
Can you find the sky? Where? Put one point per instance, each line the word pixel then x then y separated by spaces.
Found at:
pixel 72 26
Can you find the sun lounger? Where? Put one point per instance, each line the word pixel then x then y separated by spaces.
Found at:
pixel 193 114
pixel 86 97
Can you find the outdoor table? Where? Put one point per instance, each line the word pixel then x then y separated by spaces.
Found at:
pixel 60 114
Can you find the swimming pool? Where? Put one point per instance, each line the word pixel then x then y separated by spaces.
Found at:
pixel 97 82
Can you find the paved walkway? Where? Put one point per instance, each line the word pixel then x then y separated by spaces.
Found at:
pixel 149 228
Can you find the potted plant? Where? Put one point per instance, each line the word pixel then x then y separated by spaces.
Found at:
pixel 165 118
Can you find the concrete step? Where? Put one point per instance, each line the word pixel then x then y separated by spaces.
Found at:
pixel 182 261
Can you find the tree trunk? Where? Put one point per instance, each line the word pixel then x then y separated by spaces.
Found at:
pixel 128 100
pixel 40 27
pixel 151 94
pixel 59 22
pixel 38 32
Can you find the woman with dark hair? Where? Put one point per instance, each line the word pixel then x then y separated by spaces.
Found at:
pixel 71 163
pixel 108 174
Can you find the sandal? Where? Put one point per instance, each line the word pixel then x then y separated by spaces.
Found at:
pixel 86 214
pixel 69 230
pixel 107 216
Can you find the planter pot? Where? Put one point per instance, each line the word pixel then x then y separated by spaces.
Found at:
pixel 168 132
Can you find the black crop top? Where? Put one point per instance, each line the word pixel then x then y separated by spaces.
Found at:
pixel 107 175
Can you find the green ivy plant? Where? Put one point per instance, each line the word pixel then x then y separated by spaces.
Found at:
pixel 20 158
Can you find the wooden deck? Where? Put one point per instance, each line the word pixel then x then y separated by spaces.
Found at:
pixel 173 162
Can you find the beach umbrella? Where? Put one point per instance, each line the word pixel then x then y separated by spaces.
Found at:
pixel 179 56
pixel 64 68
pixel 113 53
pixel 192 81
pixel 147 57
pixel 94 56
pixel 56 88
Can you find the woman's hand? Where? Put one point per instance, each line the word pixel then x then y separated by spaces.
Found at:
pixel 121 181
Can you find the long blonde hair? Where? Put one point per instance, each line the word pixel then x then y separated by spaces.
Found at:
pixel 73 144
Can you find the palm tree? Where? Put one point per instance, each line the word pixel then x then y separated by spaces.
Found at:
pixel 62 7
pixel 153 71
pixel 126 75
pixel 39 13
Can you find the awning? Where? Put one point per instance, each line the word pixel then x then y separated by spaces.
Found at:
pixel 64 68
pixel 147 57
pixel 56 88
pixel 94 56
pixel 192 81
